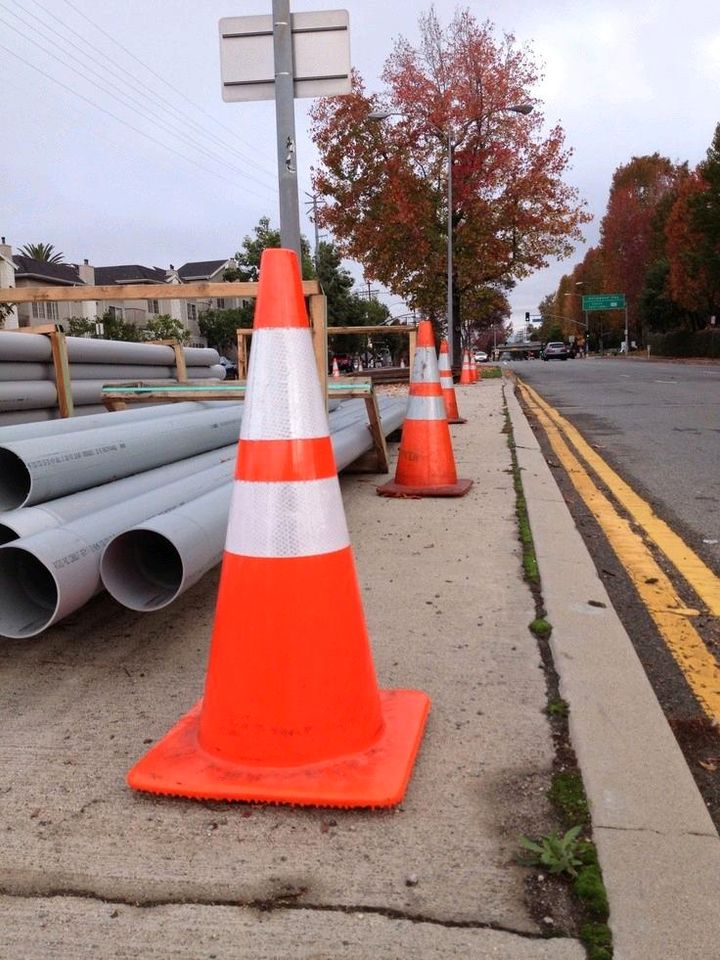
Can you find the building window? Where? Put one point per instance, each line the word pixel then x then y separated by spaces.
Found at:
pixel 192 311
pixel 153 307
pixel 116 312
pixel 220 303
pixel 45 310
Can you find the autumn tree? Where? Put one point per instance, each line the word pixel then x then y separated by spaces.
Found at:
pixel 386 183
pixel 626 230
pixel 693 240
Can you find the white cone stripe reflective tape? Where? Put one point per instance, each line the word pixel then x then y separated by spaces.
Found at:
pixel 283 400
pixel 425 369
pixel 313 519
pixel 426 408
pixel 446 380
pixel 443 362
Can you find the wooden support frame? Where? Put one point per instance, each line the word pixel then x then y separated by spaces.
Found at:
pixel 180 365
pixel 117 397
pixel 58 346
pixel 410 331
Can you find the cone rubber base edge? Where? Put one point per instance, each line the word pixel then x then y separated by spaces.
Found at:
pixel 393 489
pixel 457 420
pixel 376 777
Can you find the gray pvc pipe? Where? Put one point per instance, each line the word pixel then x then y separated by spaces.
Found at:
pixel 48 467
pixel 36 347
pixel 47 576
pixel 148 566
pixel 27 521
pixel 25 429
pixel 106 371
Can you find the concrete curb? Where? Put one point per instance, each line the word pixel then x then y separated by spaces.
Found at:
pixel 659 849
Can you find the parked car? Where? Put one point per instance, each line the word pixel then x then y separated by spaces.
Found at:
pixel 480 356
pixel 555 351
pixel 231 370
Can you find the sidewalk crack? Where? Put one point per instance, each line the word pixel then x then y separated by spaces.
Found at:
pixel 660 833
pixel 281 902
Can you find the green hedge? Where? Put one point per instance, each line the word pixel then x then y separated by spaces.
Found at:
pixel 685 343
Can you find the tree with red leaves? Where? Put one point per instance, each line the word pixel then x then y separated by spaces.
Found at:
pixel 385 184
pixel 627 229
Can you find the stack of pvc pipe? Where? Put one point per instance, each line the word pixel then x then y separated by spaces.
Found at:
pixel 27 375
pixel 65 498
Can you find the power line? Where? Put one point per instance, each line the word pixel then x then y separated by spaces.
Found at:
pixel 103 83
pixel 109 113
pixel 145 90
pixel 162 79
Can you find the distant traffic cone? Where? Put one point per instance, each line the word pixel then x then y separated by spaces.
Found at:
pixel 426 465
pixel 448 388
pixel 335 369
pixel 465 374
pixel 473 367
pixel 292 712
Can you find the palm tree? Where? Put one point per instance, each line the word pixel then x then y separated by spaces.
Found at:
pixel 45 252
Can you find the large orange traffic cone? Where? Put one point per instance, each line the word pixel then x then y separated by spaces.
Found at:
pixel 446 382
pixel 426 465
pixel 292 712
pixel 465 374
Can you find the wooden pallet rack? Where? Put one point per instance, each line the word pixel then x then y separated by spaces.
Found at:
pixel 118 397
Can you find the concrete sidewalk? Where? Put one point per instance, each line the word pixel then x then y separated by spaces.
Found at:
pixel 90 869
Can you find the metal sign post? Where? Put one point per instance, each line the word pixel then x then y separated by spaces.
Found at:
pixel 282 57
pixel 285 123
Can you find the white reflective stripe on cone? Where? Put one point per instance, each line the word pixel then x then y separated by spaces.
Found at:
pixel 443 362
pixel 446 380
pixel 426 408
pixel 301 518
pixel 283 399
pixel 425 369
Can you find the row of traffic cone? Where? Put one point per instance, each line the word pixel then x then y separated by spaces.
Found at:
pixel 291 711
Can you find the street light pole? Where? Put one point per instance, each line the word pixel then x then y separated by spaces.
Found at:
pixel 453 332
pixel 450 308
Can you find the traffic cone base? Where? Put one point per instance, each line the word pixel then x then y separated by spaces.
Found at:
pixel 457 420
pixel 393 489
pixel 375 777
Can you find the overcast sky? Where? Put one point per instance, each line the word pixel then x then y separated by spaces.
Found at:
pixel 140 161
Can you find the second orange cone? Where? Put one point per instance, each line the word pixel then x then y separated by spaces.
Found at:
pixel 426 463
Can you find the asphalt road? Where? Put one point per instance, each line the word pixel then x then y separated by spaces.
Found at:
pixel 657 424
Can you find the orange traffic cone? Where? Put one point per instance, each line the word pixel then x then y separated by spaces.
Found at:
pixel 335 369
pixel 465 374
pixel 426 465
pixel 473 367
pixel 292 712
pixel 446 382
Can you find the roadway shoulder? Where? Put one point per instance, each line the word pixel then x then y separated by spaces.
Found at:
pixel 658 847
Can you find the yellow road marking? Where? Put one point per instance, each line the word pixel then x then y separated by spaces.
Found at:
pixel 700 577
pixel 652 584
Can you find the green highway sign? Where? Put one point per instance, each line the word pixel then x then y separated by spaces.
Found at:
pixel 604 301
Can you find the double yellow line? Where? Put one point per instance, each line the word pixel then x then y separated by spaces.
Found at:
pixel 671 616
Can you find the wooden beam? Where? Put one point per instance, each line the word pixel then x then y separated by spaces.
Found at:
pixel 381 328
pixel 318 322
pixel 139 291
pixel 63 384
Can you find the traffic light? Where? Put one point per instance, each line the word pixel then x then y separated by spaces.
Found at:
pixel 527 316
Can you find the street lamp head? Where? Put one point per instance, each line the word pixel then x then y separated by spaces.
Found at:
pixel 524 108
pixel 380 114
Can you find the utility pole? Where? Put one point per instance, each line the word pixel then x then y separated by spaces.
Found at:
pixel 313 204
